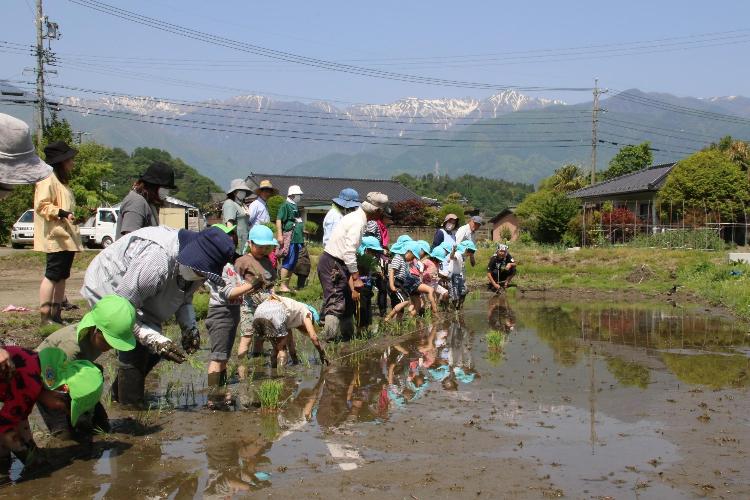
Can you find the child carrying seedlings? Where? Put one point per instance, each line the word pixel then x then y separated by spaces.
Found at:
pixel 431 275
pixel 405 282
pixel 427 274
pixel 47 378
pixel 370 271
pixel 452 272
pixel 458 280
pixel 275 319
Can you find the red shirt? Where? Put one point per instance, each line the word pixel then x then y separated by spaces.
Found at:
pixel 22 390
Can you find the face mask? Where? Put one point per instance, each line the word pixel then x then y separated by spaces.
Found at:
pixel 450 226
pixel 163 193
pixel 188 274
pixel 240 196
pixel 296 198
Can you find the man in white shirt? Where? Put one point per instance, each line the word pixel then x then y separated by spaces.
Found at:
pixel 347 200
pixel 257 212
pixel 466 232
pixel 337 267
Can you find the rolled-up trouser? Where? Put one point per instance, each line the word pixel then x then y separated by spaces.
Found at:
pixel 334 278
pixel 222 323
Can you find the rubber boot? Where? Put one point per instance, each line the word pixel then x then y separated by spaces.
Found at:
pixel 346 324
pixel 332 328
pixel 131 387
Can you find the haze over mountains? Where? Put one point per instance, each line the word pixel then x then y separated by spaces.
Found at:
pixel 508 135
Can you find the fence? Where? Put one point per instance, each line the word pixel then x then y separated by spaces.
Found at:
pixel 707 225
pixel 427 233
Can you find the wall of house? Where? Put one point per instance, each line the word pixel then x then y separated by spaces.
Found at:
pixel 509 222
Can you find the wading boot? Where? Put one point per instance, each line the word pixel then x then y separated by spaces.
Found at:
pixel 346 324
pixel 131 386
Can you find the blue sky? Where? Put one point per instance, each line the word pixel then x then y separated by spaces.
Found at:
pixel 103 52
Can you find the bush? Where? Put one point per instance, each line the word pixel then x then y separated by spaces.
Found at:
pixel 706 239
pixel 546 214
pixel 311 227
pixel 273 204
pixel 412 212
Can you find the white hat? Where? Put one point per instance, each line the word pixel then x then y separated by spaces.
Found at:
pixel 375 201
pixel 238 185
pixel 294 189
pixel 19 163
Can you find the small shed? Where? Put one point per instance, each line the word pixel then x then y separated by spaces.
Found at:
pixel 505 225
pixel 181 215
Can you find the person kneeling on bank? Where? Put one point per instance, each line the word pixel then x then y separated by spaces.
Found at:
pixel 501 269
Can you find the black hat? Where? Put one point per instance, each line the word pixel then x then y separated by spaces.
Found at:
pixel 159 174
pixel 58 152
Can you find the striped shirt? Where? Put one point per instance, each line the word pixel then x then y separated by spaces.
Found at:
pixel 400 267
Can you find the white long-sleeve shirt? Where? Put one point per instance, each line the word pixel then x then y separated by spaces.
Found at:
pixel 332 218
pixel 346 238
pixel 464 233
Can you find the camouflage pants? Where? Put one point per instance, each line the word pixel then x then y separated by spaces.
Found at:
pixel 247 315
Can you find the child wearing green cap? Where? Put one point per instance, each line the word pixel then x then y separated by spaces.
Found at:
pixel 109 325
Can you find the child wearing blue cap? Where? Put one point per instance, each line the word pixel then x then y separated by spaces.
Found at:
pixel 370 270
pixel 405 281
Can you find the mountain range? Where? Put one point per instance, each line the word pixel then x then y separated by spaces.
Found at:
pixel 508 135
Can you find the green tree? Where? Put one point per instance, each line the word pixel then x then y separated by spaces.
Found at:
pixel 566 179
pixel 546 214
pixel 707 180
pixel 273 204
pixel 629 159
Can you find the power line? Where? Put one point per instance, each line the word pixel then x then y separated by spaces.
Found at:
pixel 665 106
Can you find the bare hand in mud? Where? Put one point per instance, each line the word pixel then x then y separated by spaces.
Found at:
pixel 191 340
pixel 170 351
pixel 7 368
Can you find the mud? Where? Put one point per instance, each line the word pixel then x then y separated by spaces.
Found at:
pixel 585 400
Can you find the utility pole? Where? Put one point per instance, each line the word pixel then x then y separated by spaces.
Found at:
pixel 594 125
pixel 39 72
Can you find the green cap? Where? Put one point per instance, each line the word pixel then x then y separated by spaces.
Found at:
pixel 82 378
pixel 224 227
pixel 114 316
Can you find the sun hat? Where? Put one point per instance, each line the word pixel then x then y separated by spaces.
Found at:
pixel 114 316
pixel 375 201
pixel 347 198
pixel 262 235
pixel 439 253
pixel 450 217
pixel 19 163
pixel 58 152
pixel 424 246
pixel 369 243
pixel 314 312
pixel 400 246
pixel 447 246
pixel 502 246
pixel 238 185
pixel 224 227
pixel 477 220
pixel 265 184
pixel 467 245
pixel 413 247
pixel 159 174
pixel 273 314
pixel 294 189
pixel 206 252
pixel 83 379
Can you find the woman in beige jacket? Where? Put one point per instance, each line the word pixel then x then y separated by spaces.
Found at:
pixel 55 232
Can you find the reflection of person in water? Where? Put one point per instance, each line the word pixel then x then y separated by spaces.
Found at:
pixel 500 316
pixel 454 360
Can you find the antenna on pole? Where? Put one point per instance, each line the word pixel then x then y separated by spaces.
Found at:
pixel 594 126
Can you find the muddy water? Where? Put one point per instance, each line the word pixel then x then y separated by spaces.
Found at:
pixel 585 400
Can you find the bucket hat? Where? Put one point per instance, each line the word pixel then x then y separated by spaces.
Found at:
pixel 369 243
pixel 19 163
pixel 262 235
pixel 159 174
pixel 450 217
pixel 347 198
pixel 400 246
pixel 58 152
pixel 375 201
pixel 265 184
pixel 206 252
pixel 114 316
pixel 294 189
pixel 439 253
pixel 237 185
pixel 466 245
pixel 82 378
pixel 413 247
pixel 424 246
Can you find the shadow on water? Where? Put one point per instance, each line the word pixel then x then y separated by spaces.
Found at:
pixel 542 383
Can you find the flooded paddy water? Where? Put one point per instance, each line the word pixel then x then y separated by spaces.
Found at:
pixel 584 400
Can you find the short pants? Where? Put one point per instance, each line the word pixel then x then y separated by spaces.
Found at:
pixel 222 322
pixel 405 289
pixel 58 265
pixel 290 260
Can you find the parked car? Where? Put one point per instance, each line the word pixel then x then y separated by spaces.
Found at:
pixel 99 230
pixel 22 232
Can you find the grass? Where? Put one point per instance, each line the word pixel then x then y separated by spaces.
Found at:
pixel 269 394
pixel 495 340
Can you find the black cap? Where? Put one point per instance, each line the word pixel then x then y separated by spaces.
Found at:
pixel 58 152
pixel 159 174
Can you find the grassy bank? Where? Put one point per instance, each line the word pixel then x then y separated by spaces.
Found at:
pixel 707 276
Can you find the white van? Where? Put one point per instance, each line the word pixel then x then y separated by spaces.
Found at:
pixel 22 232
pixel 99 230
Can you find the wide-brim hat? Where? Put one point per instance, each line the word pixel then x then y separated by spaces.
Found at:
pixel 58 152
pixel 293 190
pixel 450 217
pixel 369 243
pixel 159 174
pixel 206 252
pixel 83 379
pixel 265 184
pixel 19 163
pixel 347 198
pixel 114 316
pixel 238 185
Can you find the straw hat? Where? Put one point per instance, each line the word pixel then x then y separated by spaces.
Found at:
pixel 266 184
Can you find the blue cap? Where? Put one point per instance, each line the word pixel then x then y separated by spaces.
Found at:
pixel 467 245
pixel 347 198
pixel 424 246
pixel 400 246
pixel 439 253
pixel 314 312
pixel 262 235
pixel 369 243
pixel 206 252
pixel 413 247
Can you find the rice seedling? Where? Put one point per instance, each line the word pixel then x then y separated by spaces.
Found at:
pixel 495 340
pixel 269 394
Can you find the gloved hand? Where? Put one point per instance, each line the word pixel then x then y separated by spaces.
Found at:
pixel 191 339
pixel 170 351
